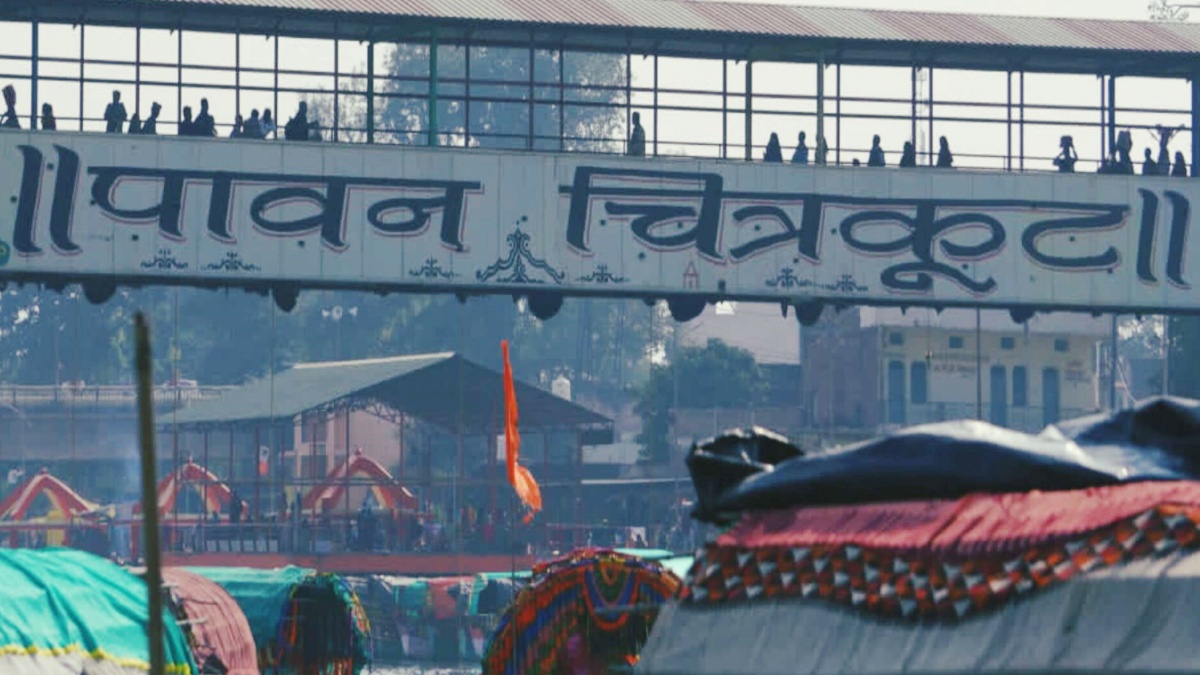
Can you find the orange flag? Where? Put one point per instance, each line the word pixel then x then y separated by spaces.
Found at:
pixel 522 481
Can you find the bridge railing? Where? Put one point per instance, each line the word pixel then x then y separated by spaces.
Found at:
pixel 71 394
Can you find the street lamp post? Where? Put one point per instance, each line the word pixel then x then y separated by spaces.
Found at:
pixel 336 314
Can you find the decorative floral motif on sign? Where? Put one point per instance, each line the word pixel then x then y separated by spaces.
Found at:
pixel 787 279
pixel 232 262
pixel 164 260
pixel 602 276
pixel 432 269
pixel 519 263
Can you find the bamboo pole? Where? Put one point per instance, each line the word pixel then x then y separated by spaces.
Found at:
pixel 154 627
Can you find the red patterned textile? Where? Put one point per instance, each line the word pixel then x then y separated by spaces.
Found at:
pixel 965 528
pixel 952 572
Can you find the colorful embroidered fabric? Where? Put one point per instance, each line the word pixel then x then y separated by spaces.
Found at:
pixel 913 586
pixel 577 595
pixel 316 613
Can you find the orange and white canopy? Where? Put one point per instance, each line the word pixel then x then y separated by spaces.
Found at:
pixel 63 499
pixel 389 493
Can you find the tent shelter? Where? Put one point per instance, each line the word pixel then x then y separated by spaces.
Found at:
pixel 63 499
pixel 949 548
pixel 214 493
pixel 65 611
pixel 301 621
pixel 388 493
pixel 216 627
pixel 605 600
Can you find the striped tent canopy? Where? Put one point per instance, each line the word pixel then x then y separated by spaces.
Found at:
pixel 215 493
pixel 63 499
pixel 389 493
pixel 593 606
pixel 216 628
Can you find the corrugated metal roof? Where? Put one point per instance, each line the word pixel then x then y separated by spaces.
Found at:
pixel 303 387
pixel 443 389
pixel 726 21
pixel 973 525
pixel 767 19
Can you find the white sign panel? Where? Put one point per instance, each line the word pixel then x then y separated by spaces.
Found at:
pixel 243 212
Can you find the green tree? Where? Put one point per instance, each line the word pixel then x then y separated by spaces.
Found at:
pixel 714 376
pixel 1184 376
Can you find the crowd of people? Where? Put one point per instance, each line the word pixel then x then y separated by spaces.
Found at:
pixel 301 128
pixel 117 120
pixel 1119 161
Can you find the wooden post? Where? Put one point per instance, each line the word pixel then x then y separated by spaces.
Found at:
pixel 154 626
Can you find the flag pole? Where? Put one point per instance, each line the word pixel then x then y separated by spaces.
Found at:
pixel 154 625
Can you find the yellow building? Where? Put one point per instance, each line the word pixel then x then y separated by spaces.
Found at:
pixel 873 367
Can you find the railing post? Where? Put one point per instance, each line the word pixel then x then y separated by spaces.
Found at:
pixel 371 91
pixel 33 75
pixel 749 114
pixel 433 88
pixel 1195 122
pixel 820 109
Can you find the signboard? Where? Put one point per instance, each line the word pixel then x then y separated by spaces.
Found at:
pixel 224 212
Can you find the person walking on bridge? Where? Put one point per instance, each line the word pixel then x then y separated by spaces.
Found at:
pixel 876 158
pixel 637 138
pixel 800 156
pixel 774 152
pixel 115 115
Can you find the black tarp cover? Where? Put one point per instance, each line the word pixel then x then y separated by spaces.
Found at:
pixel 1157 440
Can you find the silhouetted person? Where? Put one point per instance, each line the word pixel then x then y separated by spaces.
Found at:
pixel 908 158
pixel 800 156
pixel 10 119
pixel 1123 164
pixel 637 138
pixel 235 507
pixel 135 124
pixel 1149 166
pixel 186 126
pixel 252 128
pixel 237 127
pixel 48 121
pixel 1180 169
pixel 115 115
pixel 945 158
pixel 876 156
pixel 1163 135
pixel 297 128
pixel 773 153
pixel 1065 161
pixel 150 126
pixel 822 150
pixel 1109 164
pixel 206 126
pixel 267 123
pixel 856 162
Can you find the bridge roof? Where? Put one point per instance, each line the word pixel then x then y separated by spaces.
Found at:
pixel 695 28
